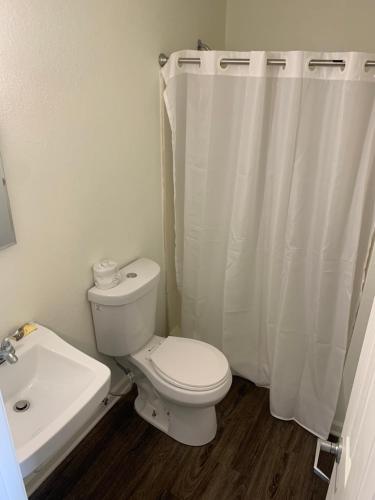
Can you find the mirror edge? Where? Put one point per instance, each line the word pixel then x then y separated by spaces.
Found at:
pixel 5 186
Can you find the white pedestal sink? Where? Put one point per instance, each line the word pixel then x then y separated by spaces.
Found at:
pixel 63 387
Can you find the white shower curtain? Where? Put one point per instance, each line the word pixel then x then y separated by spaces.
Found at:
pixel 274 179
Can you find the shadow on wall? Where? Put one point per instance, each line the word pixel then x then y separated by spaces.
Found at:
pixel 173 302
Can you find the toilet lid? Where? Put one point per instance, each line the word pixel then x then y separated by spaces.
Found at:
pixel 190 364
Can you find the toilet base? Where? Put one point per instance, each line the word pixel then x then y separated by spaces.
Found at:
pixel 186 424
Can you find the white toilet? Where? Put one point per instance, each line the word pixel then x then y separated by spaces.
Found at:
pixel 179 380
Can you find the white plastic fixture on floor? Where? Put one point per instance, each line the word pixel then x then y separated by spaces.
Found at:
pixel 274 173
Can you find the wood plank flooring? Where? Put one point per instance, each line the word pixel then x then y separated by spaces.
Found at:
pixel 254 456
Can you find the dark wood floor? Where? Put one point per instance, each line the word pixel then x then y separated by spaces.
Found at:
pixel 254 456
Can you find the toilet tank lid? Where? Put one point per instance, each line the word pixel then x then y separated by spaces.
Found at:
pixel 137 278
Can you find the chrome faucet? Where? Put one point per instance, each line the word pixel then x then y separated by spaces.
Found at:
pixel 7 351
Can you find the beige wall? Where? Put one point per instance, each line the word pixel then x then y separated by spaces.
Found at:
pixel 80 140
pixel 300 25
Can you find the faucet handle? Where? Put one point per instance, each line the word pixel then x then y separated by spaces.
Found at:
pixel 6 345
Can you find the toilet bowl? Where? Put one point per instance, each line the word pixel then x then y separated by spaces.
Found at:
pixel 179 380
pixel 179 386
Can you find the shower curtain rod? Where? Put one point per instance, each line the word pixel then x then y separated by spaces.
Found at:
pixel 163 59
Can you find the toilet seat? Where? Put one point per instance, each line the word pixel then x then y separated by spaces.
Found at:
pixel 190 364
pixel 190 395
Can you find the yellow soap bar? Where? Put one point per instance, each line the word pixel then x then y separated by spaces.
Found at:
pixel 28 328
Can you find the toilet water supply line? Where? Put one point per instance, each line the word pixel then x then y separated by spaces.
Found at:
pixel 129 375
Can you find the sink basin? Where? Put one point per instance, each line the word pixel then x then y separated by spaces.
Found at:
pixel 62 386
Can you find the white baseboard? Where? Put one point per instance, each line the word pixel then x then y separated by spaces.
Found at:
pixel 36 478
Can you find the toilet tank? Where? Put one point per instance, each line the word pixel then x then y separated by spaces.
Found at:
pixel 124 316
